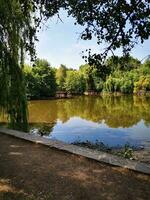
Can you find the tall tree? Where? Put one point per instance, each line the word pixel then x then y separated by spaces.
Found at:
pixel 124 63
pixel 60 77
pixel 19 21
pixel 16 37
pixel 74 82
pixel 40 80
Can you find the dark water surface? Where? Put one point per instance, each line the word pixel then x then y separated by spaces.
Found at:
pixel 115 121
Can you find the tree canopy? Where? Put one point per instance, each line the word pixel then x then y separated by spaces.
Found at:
pixel 119 75
pixel 40 80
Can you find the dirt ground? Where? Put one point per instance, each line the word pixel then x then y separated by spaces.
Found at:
pixel 34 172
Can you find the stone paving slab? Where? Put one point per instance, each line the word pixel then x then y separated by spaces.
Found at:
pixel 86 152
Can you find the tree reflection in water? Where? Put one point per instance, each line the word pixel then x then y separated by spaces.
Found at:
pixel 120 111
pixel 111 120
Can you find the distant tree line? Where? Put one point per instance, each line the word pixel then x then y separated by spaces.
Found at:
pixel 119 74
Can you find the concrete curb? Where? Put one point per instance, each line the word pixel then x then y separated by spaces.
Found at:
pixel 88 153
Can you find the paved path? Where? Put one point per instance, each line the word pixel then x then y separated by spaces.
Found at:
pixel 31 171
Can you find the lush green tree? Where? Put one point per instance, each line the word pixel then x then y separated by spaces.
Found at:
pixel 95 77
pixel 123 63
pixel 125 71
pixel 19 23
pixel 145 69
pixel 60 77
pixel 41 63
pixel 99 83
pixel 17 29
pixel 74 82
pixel 142 85
pixel 119 82
pixel 30 81
pixel 40 80
pixel 126 86
pixel 87 72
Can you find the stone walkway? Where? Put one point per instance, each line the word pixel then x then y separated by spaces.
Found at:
pixel 142 155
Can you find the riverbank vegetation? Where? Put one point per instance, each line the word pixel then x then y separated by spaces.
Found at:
pixel 119 74
pixel 126 151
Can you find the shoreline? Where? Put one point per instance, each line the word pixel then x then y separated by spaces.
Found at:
pixel 127 151
pixel 115 94
pixel 81 151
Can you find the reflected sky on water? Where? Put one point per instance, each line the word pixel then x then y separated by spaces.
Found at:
pixel 114 121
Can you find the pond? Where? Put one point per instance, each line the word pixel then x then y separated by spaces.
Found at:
pixel 114 121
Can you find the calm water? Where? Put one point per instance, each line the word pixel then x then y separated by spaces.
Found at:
pixel 114 121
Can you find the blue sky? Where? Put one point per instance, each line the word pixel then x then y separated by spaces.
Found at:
pixel 60 43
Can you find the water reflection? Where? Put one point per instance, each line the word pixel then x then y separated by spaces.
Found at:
pixel 111 120
pixel 123 111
